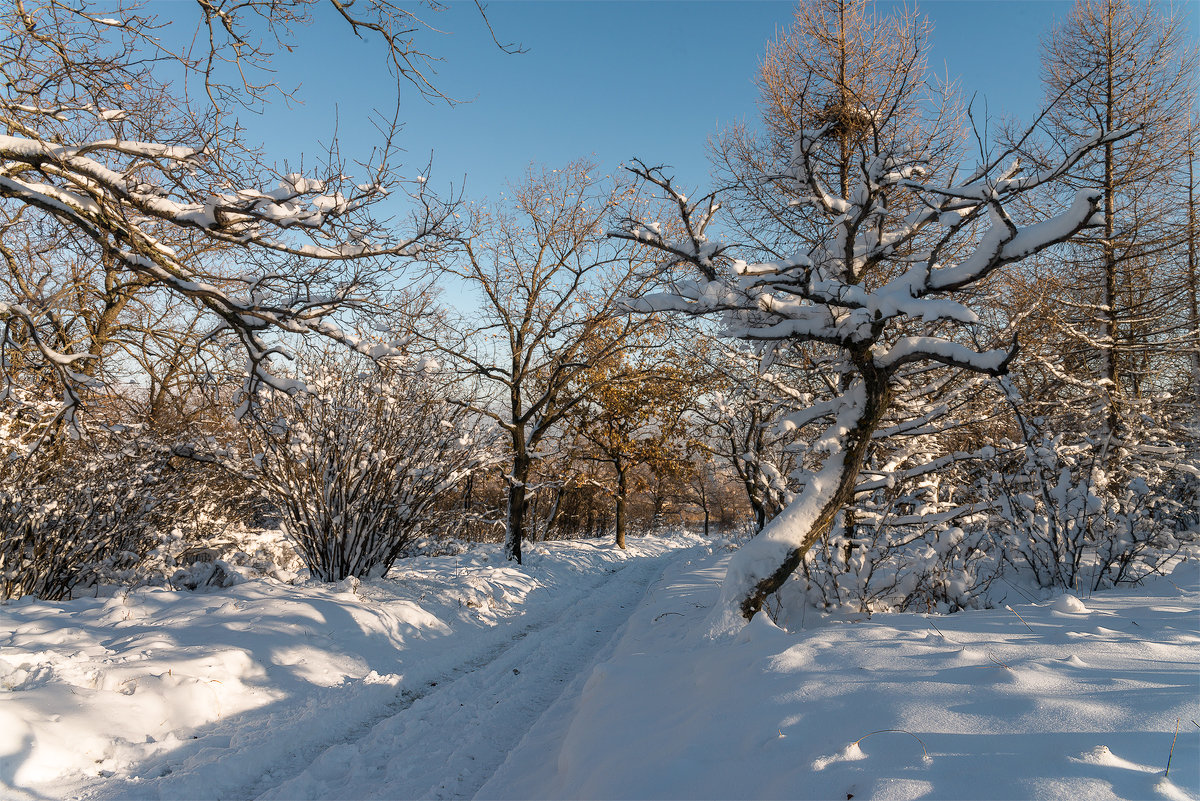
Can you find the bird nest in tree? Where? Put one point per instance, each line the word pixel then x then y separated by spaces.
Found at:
pixel 846 119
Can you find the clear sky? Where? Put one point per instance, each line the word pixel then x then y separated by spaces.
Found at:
pixel 606 80
pixel 609 80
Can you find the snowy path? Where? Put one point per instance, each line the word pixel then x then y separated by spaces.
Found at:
pixel 586 674
pixel 1071 700
pixel 659 635
pixel 451 740
pixel 415 687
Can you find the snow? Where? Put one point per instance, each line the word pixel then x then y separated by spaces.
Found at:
pixel 902 706
pixel 155 693
pixel 586 673
pixel 937 349
pixel 1069 605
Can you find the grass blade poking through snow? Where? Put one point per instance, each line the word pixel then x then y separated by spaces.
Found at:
pixel 926 758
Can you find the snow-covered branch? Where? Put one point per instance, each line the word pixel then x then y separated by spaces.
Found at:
pixel 877 280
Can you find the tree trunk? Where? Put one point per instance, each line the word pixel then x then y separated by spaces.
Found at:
pixel 878 395
pixel 1110 314
pixel 468 492
pixel 517 506
pixel 1193 304
pixel 555 510
pixel 620 510
pixel 659 499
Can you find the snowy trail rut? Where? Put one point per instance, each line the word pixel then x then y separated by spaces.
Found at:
pixel 449 741
pixel 413 686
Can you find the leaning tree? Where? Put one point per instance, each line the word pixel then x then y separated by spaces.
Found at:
pixel 960 234
pixel 872 248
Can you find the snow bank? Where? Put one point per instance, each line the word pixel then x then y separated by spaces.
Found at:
pixel 465 676
pixel 154 693
pixel 1078 700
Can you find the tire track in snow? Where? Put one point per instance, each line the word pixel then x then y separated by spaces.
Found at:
pixel 450 740
pixel 250 753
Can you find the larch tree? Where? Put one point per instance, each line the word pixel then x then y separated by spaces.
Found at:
pixel 840 64
pixel 1107 477
pixel 894 238
pixel 1122 307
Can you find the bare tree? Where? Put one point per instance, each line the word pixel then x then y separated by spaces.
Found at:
pixel 125 194
pixel 844 65
pixel 1192 286
pixel 550 284
pixel 741 418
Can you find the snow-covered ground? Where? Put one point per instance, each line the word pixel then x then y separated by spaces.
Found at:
pixel 585 673
pixel 1066 699
pixel 233 693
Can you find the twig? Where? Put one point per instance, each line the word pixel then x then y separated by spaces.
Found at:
pixel 998 662
pixel 939 631
pixel 1014 611
pixel 1019 590
pixel 1167 773
pixel 664 614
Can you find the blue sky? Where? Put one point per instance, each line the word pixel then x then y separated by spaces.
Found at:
pixel 607 80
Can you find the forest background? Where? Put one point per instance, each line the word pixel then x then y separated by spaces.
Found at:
pixel 203 334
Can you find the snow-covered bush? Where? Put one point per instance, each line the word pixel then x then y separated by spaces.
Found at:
pixel 917 535
pixel 936 567
pixel 924 542
pixel 359 462
pixel 1079 510
pixel 69 523
pixel 933 526
pixel 219 554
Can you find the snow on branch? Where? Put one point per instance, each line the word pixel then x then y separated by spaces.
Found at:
pixel 907 350
pixel 819 295
pixel 108 157
pixel 695 217
pixel 149 208
pixel 875 286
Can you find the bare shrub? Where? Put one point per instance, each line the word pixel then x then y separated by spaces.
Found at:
pixel 360 464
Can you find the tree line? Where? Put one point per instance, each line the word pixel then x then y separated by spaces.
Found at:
pixel 906 349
